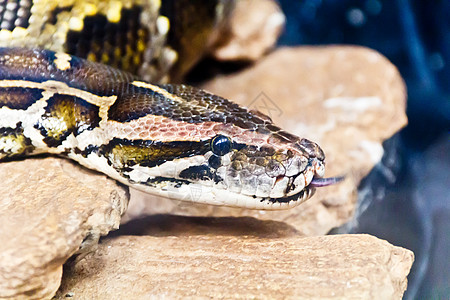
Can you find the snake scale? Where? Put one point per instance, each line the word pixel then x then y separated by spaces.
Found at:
pixel 67 88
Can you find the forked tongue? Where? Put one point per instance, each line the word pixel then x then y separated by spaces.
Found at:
pixel 320 182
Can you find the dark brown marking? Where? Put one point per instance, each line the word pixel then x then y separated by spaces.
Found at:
pixel 65 115
pixel 122 153
pixel 19 98
pixel 202 172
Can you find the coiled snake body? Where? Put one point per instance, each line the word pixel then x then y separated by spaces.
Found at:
pixel 163 139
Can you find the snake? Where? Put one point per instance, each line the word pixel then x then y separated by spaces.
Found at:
pixel 87 80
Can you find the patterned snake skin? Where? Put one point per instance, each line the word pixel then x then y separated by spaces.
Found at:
pixel 163 139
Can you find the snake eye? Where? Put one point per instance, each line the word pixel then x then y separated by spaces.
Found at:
pixel 220 145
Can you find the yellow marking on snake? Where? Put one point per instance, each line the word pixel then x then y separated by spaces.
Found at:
pixel 14 143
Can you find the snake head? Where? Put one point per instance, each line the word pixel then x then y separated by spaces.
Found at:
pixel 278 173
pixel 188 144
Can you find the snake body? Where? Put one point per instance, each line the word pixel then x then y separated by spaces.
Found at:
pixel 163 139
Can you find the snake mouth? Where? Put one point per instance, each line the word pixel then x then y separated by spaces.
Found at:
pixel 293 200
pixel 304 194
pixel 300 197
pixel 292 186
pixel 299 187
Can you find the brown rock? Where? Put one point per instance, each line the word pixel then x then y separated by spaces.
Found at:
pixel 254 28
pixel 220 258
pixel 49 210
pixel 348 99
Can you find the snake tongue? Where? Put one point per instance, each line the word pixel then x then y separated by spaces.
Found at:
pixel 320 182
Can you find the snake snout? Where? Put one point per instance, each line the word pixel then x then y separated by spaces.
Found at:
pixel 299 174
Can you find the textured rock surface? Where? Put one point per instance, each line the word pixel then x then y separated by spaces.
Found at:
pixel 253 29
pixel 180 257
pixel 348 99
pixel 48 209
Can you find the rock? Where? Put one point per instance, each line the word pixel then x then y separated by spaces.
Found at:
pixel 348 99
pixel 184 257
pixel 50 209
pixel 253 29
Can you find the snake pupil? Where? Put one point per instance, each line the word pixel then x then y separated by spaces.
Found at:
pixel 220 145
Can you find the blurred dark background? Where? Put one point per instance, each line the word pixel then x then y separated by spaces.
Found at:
pixel 406 198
